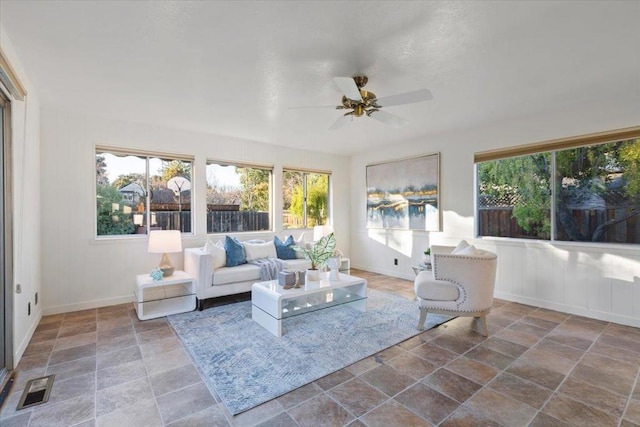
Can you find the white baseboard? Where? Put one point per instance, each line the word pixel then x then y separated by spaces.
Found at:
pixel 391 273
pixel 19 351
pixel 580 311
pixel 47 311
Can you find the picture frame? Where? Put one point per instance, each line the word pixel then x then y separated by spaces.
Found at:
pixel 404 194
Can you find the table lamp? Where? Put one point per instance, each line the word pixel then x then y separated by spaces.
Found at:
pixel 165 242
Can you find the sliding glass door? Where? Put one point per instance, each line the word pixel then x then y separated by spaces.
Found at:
pixel 5 241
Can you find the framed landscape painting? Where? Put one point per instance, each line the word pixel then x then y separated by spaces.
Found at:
pixel 404 194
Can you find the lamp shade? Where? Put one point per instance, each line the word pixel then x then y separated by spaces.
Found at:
pixel 319 231
pixel 164 241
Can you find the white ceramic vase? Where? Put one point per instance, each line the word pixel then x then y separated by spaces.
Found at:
pixel 313 275
pixel 334 265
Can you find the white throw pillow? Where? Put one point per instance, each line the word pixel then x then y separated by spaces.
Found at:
pixel 217 252
pixel 468 250
pixel 463 244
pixel 208 246
pixel 300 242
pixel 259 250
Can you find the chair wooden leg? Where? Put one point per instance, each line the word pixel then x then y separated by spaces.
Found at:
pixel 423 317
pixel 480 325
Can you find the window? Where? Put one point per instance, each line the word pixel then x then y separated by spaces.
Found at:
pixel 514 197
pixel 238 198
pixel 593 192
pixel 305 199
pixel 598 193
pixel 138 192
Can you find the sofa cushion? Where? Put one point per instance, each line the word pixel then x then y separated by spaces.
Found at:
pixel 285 249
pixel 239 273
pixel 262 250
pixel 234 252
pixel 435 290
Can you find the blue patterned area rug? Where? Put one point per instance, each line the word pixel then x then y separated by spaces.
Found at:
pixel 246 365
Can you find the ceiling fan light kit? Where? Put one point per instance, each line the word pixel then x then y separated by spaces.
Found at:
pixel 362 102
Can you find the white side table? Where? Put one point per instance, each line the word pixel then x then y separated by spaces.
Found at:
pixel 421 267
pixel 171 295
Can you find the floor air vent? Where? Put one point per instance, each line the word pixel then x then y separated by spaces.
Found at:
pixel 36 391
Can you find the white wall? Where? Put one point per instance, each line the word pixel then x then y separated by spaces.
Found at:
pixel 26 206
pixel 600 281
pixel 81 271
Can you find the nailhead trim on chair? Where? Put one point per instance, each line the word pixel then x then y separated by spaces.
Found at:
pixel 460 288
pixel 444 309
pixel 435 275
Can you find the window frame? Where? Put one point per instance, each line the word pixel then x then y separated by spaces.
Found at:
pixel 305 173
pixel 269 168
pixel 146 155
pixel 552 147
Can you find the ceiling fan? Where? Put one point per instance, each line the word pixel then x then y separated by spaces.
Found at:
pixel 362 102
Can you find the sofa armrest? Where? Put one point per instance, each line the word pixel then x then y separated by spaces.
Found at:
pixel 199 264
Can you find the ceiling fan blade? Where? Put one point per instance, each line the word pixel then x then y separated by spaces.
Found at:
pixel 343 120
pixel 312 106
pixel 387 118
pixel 405 98
pixel 348 86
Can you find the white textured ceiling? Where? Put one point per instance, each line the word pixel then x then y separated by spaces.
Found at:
pixel 235 68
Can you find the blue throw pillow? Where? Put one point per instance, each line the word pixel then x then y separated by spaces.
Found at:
pixel 235 252
pixel 284 249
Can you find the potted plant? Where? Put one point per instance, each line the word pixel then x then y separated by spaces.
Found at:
pixel 426 259
pixel 318 254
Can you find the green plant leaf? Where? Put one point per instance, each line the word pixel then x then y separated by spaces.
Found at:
pixel 320 252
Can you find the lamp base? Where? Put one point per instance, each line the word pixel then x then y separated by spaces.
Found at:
pixel 166 266
pixel 167 271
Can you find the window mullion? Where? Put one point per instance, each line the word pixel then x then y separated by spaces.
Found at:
pixel 553 196
pixel 476 191
pixel 147 196
pixel 304 200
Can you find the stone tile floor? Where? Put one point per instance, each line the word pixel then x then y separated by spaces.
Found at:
pixel 538 367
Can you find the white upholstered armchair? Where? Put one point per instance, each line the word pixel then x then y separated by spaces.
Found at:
pixel 460 284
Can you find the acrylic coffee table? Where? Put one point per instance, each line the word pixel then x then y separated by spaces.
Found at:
pixel 271 303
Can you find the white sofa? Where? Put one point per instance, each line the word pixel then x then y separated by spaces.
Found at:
pixel 215 282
